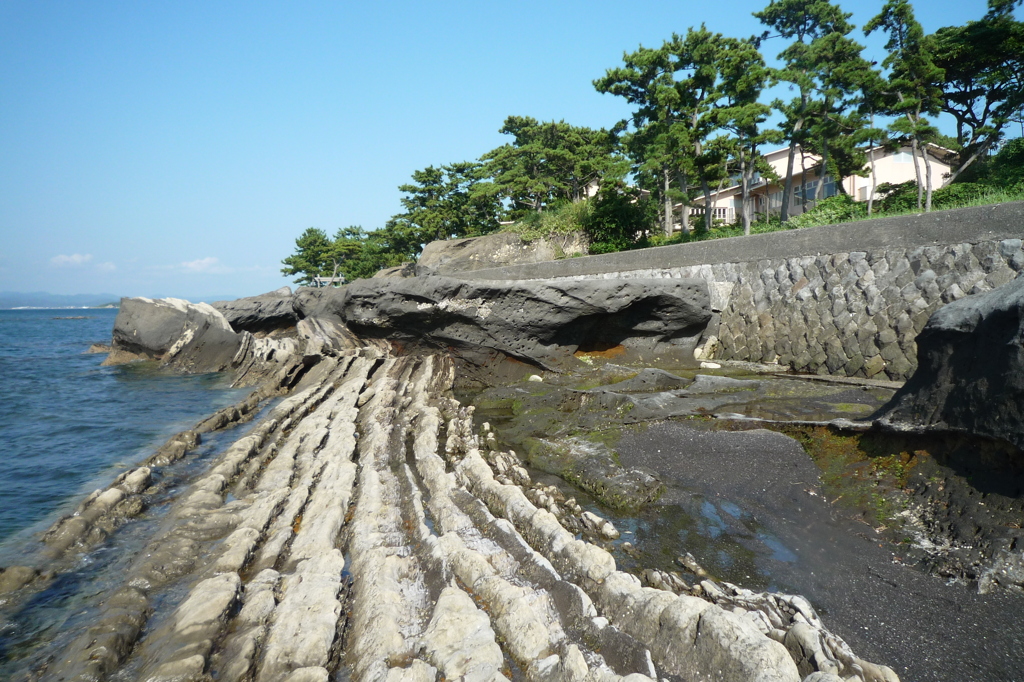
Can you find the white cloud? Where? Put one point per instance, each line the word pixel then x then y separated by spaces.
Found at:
pixel 209 265
pixel 74 260
pixel 106 267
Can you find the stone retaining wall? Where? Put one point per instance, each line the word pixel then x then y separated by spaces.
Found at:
pixel 842 299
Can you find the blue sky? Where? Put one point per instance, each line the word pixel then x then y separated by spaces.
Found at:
pixel 179 148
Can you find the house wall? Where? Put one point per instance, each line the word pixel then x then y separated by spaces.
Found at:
pixel 779 161
pixel 844 300
pixel 725 205
pixel 897 168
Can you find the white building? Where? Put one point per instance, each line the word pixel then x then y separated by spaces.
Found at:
pixel 892 167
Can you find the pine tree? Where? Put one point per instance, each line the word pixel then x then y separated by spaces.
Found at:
pixel 825 66
pixel 913 83
pixel 677 92
pixel 744 78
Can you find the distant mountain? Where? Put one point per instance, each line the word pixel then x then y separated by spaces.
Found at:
pixel 39 299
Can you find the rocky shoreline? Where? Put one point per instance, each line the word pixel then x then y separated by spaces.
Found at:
pixel 367 526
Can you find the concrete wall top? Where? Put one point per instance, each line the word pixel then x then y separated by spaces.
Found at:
pixel 966 225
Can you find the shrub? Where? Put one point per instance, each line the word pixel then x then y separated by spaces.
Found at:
pixel 838 209
pixel 618 218
pixel 1006 168
pixel 902 198
pixel 561 218
pixel 899 198
pixel 615 220
pixel 959 194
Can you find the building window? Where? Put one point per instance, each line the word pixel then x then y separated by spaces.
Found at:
pixel 903 157
pixel 806 192
pixel 829 190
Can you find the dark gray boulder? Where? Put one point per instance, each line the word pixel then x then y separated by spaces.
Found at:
pixel 259 314
pixel 188 337
pixel 970 373
pixel 537 322
pixel 148 328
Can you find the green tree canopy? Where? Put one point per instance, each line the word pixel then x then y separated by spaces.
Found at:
pixel 744 78
pixel 1001 8
pixel 658 144
pixel 825 66
pixel 352 253
pixel 545 162
pixel 312 257
pixel 983 63
pixel 443 203
pixel 913 87
pixel 677 92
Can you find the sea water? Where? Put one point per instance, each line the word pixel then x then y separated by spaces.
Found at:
pixel 69 425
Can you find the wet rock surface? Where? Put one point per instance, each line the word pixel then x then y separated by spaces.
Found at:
pixel 752 506
pixel 651 380
pixel 964 511
pixel 363 527
pixel 560 426
pixel 759 494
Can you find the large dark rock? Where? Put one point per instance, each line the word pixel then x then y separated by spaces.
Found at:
pixel 188 337
pixel 970 374
pixel 538 322
pixel 259 314
pixel 195 338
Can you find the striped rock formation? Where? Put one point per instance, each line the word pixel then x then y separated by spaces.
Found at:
pixel 363 529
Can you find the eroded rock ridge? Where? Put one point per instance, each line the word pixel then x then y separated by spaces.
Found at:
pixel 364 527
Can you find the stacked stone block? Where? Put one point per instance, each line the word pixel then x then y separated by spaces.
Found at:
pixel 850 314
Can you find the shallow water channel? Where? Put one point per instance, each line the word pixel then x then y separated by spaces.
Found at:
pixel 33 630
pixel 751 506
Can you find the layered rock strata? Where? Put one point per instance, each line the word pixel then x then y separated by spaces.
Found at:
pixel 196 338
pixel 540 323
pixel 358 529
pixel 362 529
pixel 104 511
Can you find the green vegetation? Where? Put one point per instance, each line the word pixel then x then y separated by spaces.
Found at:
pixel 698 124
pixel 616 219
pixel 866 472
pixel 824 66
pixel 547 163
